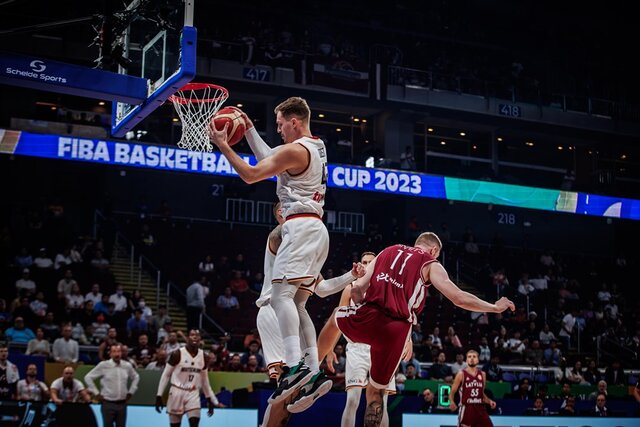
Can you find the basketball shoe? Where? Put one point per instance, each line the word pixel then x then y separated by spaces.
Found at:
pixel 290 380
pixel 318 386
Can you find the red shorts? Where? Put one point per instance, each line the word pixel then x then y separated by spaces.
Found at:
pixel 474 416
pixel 368 324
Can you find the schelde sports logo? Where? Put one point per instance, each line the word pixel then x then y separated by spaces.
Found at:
pixel 36 72
pixel 37 66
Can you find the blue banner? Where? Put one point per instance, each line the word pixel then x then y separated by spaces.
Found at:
pixel 54 76
pixel 346 177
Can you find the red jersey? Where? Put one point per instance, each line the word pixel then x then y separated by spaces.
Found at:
pixel 397 285
pixel 472 388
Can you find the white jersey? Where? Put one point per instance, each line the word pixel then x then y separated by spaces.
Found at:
pixel 186 375
pixel 265 293
pixel 305 192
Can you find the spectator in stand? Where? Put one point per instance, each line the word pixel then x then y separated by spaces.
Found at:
pixel 136 326
pixel 252 365
pixel 459 364
pixel 95 295
pixel 87 315
pixel 235 365
pixel 65 349
pixel 553 354
pixel 75 255
pixel 224 268
pixel 254 335
pixel 227 301
pixel 569 408
pixel 19 333
pixel 452 339
pixel 253 350
pixel 31 389
pixel 39 346
pixel 63 259
pixel 546 259
pixel 68 389
pixel 257 282
pixel 25 283
pixel 436 342
pixel 23 309
pixel 43 261
pixel 614 374
pixel 604 296
pixel 50 328
pixel 134 299
pixel 592 374
pixel 532 333
pixel 484 351
pixel 119 299
pixel 23 259
pixel 126 356
pixel 143 353
pixel 611 310
pixel 160 362
pixel 238 283
pixel 546 336
pixel 240 265
pixel 157 321
pixel 100 329
pixel 206 267
pixel 39 307
pixel 213 365
pixel 602 389
pixel 146 310
pixel 522 391
pixel 171 344
pixel 66 283
pixel 75 301
pixel 567 327
pixel 440 370
pixel 574 375
pixel 196 294
pixel 601 409
pixel 104 349
pixel 525 288
pixel 99 263
pixel 493 370
pixel 5 315
pixel 515 347
pixel 103 305
pixel 407 160
pixel 430 404
pixel 538 408
pixel 534 355
pixel 501 283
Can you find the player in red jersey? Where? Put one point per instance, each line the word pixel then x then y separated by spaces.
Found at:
pixel 396 284
pixel 470 382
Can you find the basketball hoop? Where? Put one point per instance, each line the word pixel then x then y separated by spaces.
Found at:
pixel 196 103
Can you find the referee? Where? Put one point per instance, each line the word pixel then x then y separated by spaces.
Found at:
pixel 114 375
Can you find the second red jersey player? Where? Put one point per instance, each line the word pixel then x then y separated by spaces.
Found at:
pixel 469 384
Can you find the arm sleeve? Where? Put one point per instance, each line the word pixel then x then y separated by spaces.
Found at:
pixel 135 379
pixel 91 376
pixel 257 144
pixel 331 286
pixel 206 387
pixel 164 379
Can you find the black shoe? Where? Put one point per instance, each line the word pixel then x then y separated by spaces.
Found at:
pixel 290 381
pixel 318 386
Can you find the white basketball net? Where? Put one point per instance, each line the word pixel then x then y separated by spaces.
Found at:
pixel 196 103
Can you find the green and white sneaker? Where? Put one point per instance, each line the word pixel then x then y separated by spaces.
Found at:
pixel 290 381
pixel 318 386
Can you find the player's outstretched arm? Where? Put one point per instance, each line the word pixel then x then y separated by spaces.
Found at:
pixel 440 279
pixel 326 287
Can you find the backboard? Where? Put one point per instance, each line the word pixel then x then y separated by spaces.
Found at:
pixel 159 45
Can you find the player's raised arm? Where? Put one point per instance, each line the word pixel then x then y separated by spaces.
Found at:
pixel 440 279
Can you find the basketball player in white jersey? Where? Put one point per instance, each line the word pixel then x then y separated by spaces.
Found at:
pixel 358 360
pixel 267 323
pixel 186 373
pixel 300 165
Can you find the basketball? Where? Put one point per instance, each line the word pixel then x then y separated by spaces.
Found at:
pixel 237 126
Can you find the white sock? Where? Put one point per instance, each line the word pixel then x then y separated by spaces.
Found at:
pixel 292 350
pixel 310 355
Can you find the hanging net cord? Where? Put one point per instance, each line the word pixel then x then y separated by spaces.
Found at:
pixel 195 107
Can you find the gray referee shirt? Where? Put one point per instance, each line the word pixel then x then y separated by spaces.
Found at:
pixel 113 379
